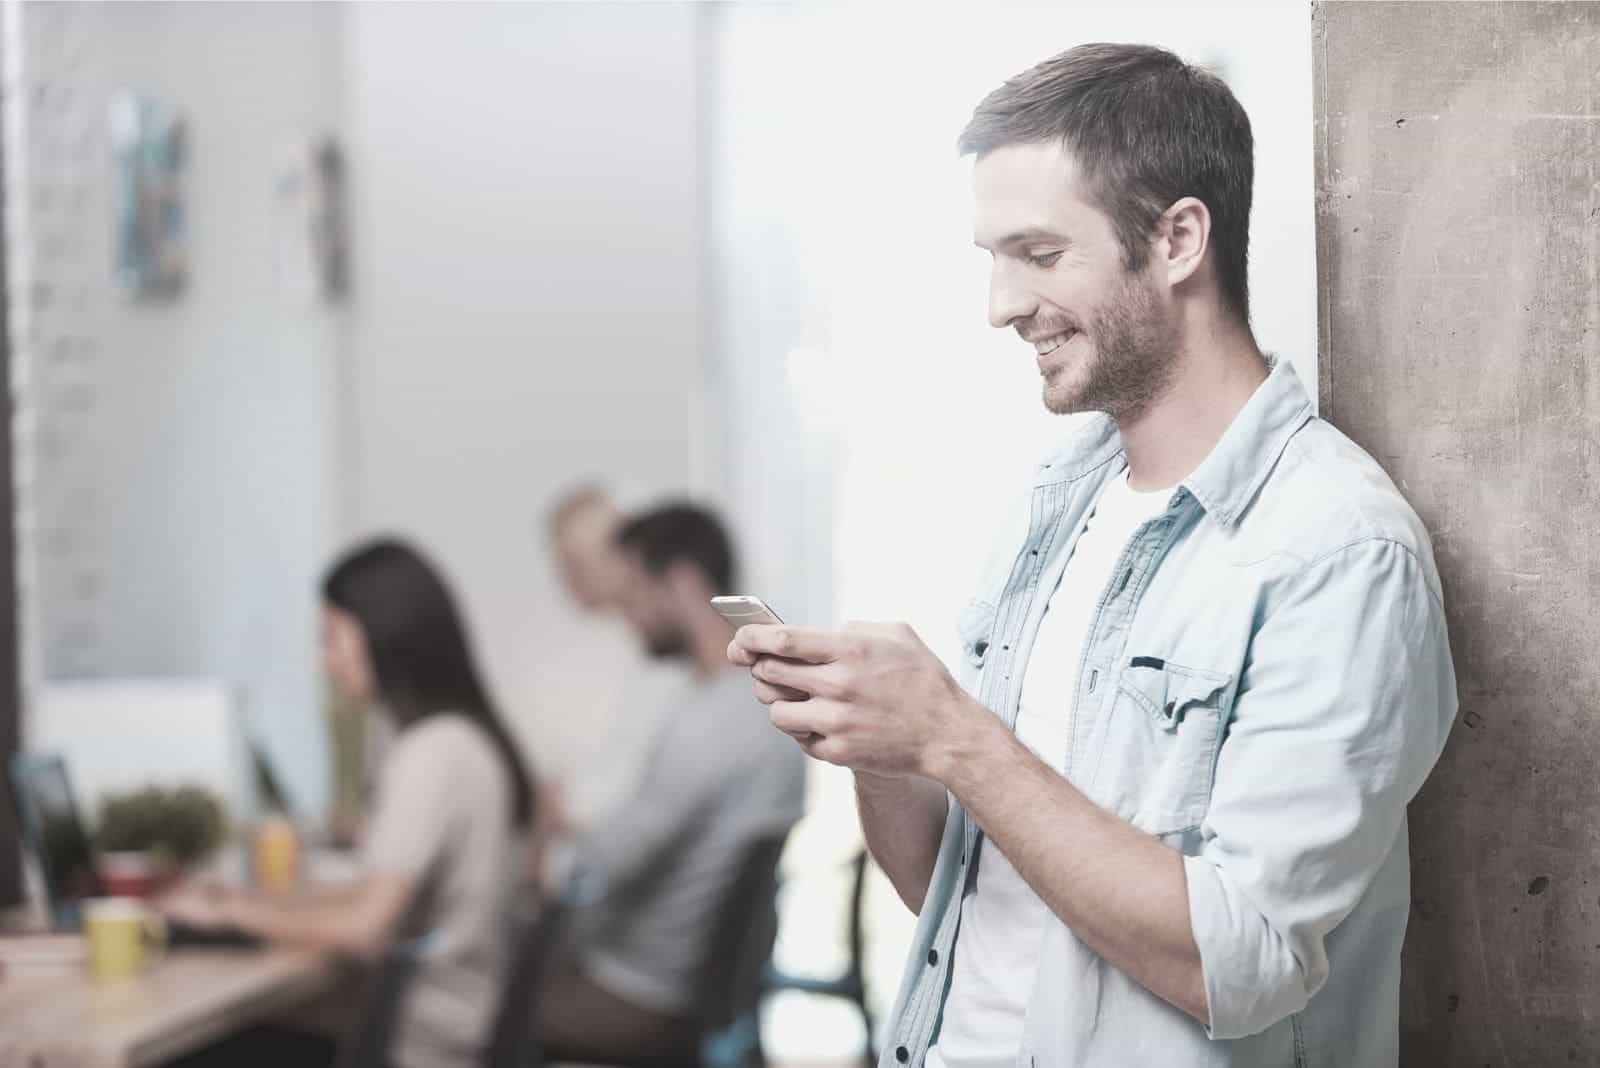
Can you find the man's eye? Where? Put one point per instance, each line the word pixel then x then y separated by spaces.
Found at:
pixel 1044 259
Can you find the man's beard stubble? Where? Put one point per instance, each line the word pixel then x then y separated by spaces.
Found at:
pixel 1135 352
pixel 668 643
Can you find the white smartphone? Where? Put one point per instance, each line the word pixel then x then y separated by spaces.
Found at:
pixel 742 611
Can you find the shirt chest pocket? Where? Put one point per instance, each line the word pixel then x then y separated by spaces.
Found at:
pixel 1167 730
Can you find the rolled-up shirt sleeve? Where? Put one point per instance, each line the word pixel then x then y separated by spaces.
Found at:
pixel 1343 707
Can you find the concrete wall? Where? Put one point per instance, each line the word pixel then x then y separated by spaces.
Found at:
pixel 1459 245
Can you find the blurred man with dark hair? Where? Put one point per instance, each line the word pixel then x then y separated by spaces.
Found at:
pixel 717 780
pixel 682 559
pixel 1160 820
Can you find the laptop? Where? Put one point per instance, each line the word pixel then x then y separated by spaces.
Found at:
pixel 51 827
pixel 48 816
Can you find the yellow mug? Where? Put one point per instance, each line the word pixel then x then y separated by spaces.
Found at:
pixel 121 933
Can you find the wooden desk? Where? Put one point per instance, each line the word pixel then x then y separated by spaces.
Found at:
pixel 64 1019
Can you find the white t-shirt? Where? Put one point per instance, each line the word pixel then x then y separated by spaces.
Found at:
pixel 1002 920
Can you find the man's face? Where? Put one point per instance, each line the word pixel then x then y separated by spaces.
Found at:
pixel 591 568
pixel 648 603
pixel 1103 335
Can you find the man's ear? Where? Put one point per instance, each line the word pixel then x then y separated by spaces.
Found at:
pixel 1186 235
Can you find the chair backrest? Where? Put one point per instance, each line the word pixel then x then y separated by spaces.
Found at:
pixel 857 935
pixel 731 974
pixel 514 1040
pixel 367 1044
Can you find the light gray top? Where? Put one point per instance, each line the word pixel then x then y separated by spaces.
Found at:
pixel 443 816
pixel 719 777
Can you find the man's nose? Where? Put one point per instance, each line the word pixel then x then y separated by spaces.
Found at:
pixel 1008 300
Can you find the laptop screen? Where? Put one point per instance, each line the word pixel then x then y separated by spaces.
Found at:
pixel 51 825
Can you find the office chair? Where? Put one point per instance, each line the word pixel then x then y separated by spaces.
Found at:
pixel 514 1039
pixel 367 1044
pixel 728 984
pixel 850 984
pixel 733 974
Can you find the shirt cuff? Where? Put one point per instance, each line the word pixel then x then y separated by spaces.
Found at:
pixel 1252 980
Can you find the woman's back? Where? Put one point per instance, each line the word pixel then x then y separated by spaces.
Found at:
pixel 443 816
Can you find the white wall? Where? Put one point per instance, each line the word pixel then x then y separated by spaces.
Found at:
pixel 526 313
pixel 177 455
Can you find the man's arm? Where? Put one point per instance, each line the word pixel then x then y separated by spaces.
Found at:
pixel 1341 712
pixel 903 820
pixel 882 703
pixel 902 816
pixel 1120 890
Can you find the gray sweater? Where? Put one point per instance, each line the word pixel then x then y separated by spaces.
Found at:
pixel 719 776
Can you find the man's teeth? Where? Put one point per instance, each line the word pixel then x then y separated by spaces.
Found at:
pixel 1050 344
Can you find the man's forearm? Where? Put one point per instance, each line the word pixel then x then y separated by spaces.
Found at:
pixel 903 819
pixel 1120 890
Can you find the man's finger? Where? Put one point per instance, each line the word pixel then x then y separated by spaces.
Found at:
pixel 803 717
pixel 767 693
pixel 791 643
pixel 813 680
pixel 819 747
pixel 739 655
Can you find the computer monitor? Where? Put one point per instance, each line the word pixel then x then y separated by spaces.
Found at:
pixel 50 825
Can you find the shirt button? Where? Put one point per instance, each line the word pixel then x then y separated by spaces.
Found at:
pixel 902 1054
pixel 933 956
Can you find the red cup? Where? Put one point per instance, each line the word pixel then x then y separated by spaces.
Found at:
pixel 139 875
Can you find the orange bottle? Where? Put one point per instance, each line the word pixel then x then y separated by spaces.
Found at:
pixel 277 854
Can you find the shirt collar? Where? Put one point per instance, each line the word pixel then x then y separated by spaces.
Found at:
pixel 1228 479
pixel 1231 474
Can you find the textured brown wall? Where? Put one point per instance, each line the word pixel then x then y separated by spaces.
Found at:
pixel 10 690
pixel 1458 192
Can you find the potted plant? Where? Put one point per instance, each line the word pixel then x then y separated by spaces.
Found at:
pixel 147 836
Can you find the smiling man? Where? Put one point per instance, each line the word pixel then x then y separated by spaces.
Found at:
pixel 1160 820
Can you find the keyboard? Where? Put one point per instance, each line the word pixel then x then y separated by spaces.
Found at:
pixel 182 935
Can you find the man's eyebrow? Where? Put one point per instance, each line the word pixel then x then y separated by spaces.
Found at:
pixel 1026 235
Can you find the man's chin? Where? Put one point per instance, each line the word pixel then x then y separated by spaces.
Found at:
pixel 664 650
pixel 1064 400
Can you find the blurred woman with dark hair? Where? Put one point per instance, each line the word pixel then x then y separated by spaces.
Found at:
pixel 454 799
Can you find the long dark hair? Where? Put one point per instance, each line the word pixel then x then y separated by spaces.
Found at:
pixel 418 645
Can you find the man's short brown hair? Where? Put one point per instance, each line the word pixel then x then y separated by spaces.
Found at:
pixel 1147 129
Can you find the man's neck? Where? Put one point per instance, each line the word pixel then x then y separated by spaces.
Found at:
pixel 708 650
pixel 1217 372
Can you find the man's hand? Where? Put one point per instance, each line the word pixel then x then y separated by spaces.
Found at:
pixel 879 701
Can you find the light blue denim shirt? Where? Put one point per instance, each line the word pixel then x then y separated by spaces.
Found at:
pixel 1266 684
